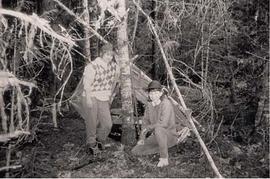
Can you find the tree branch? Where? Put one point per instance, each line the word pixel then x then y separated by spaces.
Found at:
pixel 39 22
pixel 16 134
pixel 10 167
pixel 81 21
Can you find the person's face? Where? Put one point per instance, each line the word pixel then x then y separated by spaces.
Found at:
pixel 155 94
pixel 107 56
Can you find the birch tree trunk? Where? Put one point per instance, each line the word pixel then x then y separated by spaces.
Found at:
pixel 128 128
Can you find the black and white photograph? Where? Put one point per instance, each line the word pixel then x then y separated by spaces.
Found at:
pixel 134 89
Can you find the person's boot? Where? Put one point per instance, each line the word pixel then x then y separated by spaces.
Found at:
pixel 163 162
pixel 92 149
pixel 92 154
pixel 100 145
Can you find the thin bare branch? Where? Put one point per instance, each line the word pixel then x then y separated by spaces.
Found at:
pixel 9 136
pixel 81 21
pixel 10 167
pixel 39 22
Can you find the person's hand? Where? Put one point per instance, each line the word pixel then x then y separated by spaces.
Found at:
pixel 89 102
pixel 150 127
pixel 144 131
pixel 140 142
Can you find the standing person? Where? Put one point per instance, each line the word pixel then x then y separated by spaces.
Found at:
pixel 99 80
pixel 159 120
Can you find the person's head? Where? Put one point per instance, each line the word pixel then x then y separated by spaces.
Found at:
pixel 155 91
pixel 107 52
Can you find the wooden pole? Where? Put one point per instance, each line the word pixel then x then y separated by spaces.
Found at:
pixel 212 163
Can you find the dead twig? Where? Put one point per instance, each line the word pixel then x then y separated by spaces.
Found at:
pixel 13 167
pixel 39 22
pixel 216 134
pixel 9 136
pixel 81 21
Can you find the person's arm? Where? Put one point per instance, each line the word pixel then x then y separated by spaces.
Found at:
pixel 115 82
pixel 88 79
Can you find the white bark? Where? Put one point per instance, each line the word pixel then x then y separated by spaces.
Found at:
pixel 126 88
pixel 128 136
pixel 86 18
pixel 39 22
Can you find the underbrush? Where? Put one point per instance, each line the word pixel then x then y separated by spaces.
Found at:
pixel 54 152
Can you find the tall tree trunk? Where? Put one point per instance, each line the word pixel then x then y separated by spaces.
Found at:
pixel 128 128
pixel 154 59
pixel 86 18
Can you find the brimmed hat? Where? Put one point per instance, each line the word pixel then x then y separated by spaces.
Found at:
pixel 154 85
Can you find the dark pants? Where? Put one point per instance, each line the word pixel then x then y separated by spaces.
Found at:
pixel 97 118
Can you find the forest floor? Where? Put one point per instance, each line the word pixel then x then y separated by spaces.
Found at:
pixel 56 152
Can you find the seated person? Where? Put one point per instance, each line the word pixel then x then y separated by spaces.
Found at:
pixel 159 119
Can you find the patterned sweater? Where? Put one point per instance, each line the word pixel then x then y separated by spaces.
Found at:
pixel 100 78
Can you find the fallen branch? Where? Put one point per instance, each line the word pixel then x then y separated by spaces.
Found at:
pixel 183 134
pixel 6 168
pixel 188 111
pixel 39 22
pixel 259 57
pixel 9 136
pixel 8 79
pixel 8 155
pixel 216 134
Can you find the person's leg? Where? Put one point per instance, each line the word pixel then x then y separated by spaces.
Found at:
pixel 91 122
pixel 150 147
pixel 105 121
pixel 162 140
